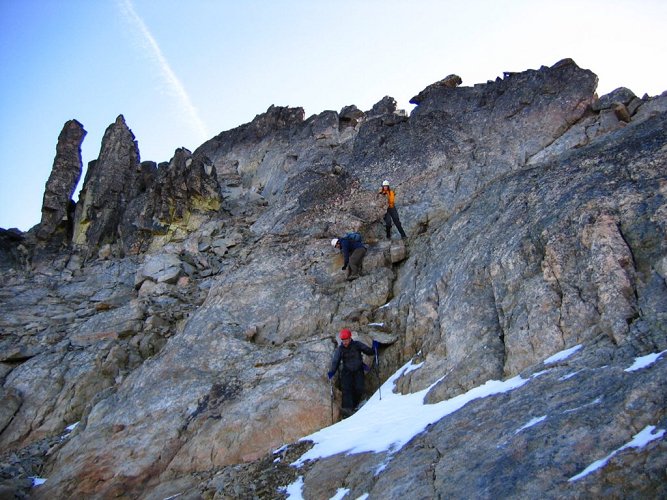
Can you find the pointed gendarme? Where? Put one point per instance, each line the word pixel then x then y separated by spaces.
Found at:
pixel 57 205
pixel 110 184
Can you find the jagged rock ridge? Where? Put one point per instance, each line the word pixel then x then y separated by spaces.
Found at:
pixel 188 324
pixel 57 205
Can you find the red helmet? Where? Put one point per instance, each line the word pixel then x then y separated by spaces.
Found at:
pixel 345 334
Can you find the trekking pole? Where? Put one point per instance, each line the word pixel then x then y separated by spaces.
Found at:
pixel 332 400
pixel 377 370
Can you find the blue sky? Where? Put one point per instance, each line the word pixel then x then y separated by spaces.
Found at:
pixel 182 72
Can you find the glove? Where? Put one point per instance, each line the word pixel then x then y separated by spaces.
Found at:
pixel 376 344
pixel 344 267
pixel 330 375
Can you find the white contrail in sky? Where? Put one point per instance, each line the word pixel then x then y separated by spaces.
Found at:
pixel 168 74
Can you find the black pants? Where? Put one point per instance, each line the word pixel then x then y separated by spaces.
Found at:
pixel 352 384
pixel 392 215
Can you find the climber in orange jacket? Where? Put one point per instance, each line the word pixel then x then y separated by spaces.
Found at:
pixel 392 213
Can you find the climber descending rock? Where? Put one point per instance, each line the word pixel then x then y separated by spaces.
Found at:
pixel 392 213
pixel 352 247
pixel 352 373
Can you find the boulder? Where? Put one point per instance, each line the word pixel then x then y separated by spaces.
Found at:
pixel 161 268
pixel 620 95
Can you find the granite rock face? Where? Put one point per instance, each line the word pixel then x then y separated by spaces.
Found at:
pixel 189 325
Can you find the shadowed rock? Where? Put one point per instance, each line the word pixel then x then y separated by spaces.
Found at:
pixel 110 184
pixel 58 207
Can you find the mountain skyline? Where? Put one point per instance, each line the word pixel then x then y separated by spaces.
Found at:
pixel 182 74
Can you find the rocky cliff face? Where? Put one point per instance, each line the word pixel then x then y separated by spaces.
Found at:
pixel 188 324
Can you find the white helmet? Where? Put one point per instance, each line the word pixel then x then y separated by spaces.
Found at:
pixel 334 242
pixel 385 183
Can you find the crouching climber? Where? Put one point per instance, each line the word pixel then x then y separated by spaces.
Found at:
pixel 352 373
pixel 353 250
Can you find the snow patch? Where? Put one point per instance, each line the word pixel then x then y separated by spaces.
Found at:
pixel 281 449
pixel 530 423
pixel 560 356
pixel 639 440
pixel 644 361
pixel 37 481
pixel 71 427
pixel 389 423
pixel 412 368
pixel 569 375
pixel 294 491
pixel 382 466
pixel 340 494
pixel 596 401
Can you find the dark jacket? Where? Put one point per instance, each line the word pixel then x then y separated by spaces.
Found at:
pixel 348 246
pixel 350 356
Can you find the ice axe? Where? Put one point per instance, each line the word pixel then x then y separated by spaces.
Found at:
pixel 331 397
pixel 377 366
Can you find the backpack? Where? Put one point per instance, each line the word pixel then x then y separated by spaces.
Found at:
pixel 353 236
